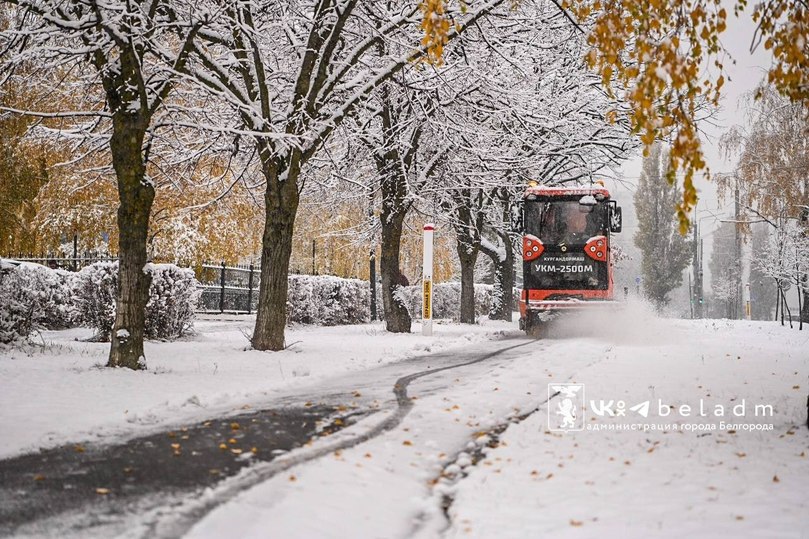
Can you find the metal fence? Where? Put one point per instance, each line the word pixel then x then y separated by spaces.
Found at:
pixel 60 261
pixel 225 289
pixel 228 289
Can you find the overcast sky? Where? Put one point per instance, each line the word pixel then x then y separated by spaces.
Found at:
pixel 747 72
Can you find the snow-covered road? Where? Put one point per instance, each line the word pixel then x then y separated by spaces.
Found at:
pixel 426 478
pixel 470 452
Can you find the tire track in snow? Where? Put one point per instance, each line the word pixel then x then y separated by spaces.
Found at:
pixel 478 455
pixel 177 519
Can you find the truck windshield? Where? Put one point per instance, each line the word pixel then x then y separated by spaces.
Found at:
pixel 564 226
pixel 565 222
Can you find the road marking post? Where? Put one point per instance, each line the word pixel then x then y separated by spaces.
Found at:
pixel 427 282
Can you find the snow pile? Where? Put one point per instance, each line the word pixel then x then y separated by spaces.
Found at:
pixel 173 297
pixel 327 301
pixel 33 297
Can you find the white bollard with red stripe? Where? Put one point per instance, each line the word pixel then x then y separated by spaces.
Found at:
pixel 427 282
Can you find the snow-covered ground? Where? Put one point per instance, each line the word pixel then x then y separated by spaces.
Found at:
pixel 537 483
pixel 671 483
pixel 475 456
pixel 58 392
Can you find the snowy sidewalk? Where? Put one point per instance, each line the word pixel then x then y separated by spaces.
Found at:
pixel 534 483
pixel 59 392
pixel 693 483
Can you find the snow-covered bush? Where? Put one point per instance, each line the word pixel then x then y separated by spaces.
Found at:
pixel 94 290
pixel 327 300
pixel 173 298
pixel 33 297
pixel 447 300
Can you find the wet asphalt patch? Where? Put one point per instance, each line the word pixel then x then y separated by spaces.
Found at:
pixel 107 479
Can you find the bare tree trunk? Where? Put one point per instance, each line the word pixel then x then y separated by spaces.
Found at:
pixel 503 303
pixel 468 223
pixel 392 165
pixel 468 257
pixel 281 200
pixel 397 317
pixel 136 196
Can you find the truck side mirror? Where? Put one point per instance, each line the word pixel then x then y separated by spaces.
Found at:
pixel 616 219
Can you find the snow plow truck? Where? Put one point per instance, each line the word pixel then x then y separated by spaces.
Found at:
pixel 567 259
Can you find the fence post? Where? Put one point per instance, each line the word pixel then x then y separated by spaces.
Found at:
pixel 250 290
pixel 222 290
pixel 75 252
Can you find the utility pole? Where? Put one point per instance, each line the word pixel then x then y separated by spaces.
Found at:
pixel 737 300
pixel 371 252
pixel 695 309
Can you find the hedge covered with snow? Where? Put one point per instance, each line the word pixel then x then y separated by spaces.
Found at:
pixel 94 289
pixel 446 300
pixel 328 301
pixel 173 297
pixel 33 297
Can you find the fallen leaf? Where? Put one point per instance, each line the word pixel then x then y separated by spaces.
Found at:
pixel 775 479
pixel 576 522
pixel 235 450
pixel 741 454
pixel 78 448
pixel 39 477
pixel 357 394
pixel 102 491
pixel 739 517
pixel 223 445
pixel 254 450
pixel 367 455
pixel 232 441
pixel 534 472
pixel 407 442
pixel 234 426
pixel 175 446
pixel 338 421
pixel 293 478
pixel 214 471
pixel 796 387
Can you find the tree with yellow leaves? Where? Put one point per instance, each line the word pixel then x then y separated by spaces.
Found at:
pixel 669 56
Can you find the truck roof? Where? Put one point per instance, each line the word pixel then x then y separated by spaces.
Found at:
pixel 561 190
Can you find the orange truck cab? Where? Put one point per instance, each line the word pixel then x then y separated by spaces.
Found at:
pixel 567 261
